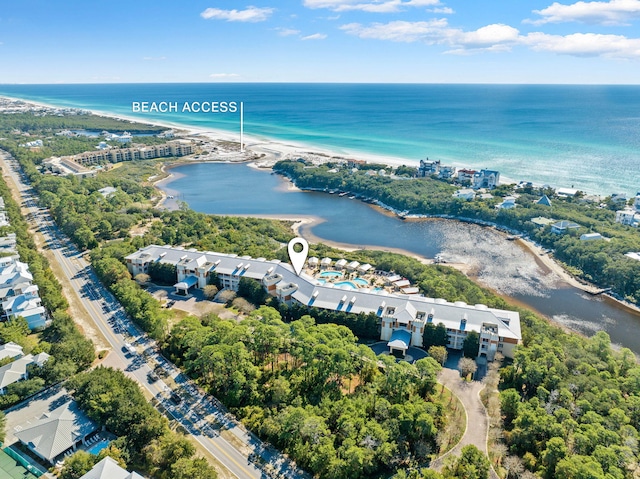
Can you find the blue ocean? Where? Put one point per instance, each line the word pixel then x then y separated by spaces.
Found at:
pixel 587 137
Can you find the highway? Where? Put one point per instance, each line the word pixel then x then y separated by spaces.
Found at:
pixel 201 415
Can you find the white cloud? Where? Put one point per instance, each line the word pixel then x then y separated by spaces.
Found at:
pixel 286 32
pixel 224 76
pixel 315 36
pixel 487 36
pixel 249 14
pixel 375 6
pixel 442 10
pixel 585 44
pixel 497 38
pixel 613 12
pixel 399 31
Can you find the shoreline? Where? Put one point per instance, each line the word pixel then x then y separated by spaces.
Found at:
pixel 280 149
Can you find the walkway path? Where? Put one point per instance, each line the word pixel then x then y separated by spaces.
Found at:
pixel 477 419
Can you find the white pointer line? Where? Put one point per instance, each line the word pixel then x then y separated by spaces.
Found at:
pixel 241 127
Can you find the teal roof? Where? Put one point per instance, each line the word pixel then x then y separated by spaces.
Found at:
pixel 400 339
pixel 187 283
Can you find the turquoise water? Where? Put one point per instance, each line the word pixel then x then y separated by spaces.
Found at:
pixel 360 281
pixel 348 284
pixel 585 136
pixel 330 274
pixel 98 446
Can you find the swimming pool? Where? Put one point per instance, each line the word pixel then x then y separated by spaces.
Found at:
pixel 98 446
pixel 330 274
pixel 348 284
pixel 361 282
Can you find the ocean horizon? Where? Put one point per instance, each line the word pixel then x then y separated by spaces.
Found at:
pixel 581 136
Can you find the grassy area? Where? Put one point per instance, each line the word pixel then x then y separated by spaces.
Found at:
pixel 456 420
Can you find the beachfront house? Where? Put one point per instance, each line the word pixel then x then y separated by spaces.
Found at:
pixel 405 311
pixel 485 179
pixel 428 167
pixel 628 216
pixel 465 176
pixel 566 192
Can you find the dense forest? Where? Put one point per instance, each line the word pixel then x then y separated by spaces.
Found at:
pixel 601 262
pixel 336 408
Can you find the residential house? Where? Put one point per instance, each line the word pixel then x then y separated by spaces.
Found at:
pixel 108 468
pixel 465 176
pixel 566 192
pixel 619 198
pixel 541 221
pixel 8 243
pixel 446 172
pixel 485 179
pixel 28 306
pixel 544 201
pixel 17 370
pixel 628 216
pixel 10 350
pixel 508 202
pixel 465 194
pixel 428 167
pixel 591 237
pixel 563 226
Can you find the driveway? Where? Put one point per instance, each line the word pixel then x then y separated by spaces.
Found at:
pixel 477 419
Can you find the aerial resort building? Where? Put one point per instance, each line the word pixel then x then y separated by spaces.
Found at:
pixel 403 317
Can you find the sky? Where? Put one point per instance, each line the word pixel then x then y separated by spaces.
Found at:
pixel 399 41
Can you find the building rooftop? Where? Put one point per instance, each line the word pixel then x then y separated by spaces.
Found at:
pixel 108 468
pixel 57 431
pixel 342 298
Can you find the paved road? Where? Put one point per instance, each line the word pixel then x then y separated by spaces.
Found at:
pixel 201 415
pixel 477 419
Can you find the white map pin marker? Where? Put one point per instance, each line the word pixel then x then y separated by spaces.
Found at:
pixel 298 259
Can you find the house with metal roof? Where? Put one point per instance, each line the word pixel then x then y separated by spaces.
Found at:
pixel 397 311
pixel 10 350
pixel 17 370
pixel 108 468
pixel 561 227
pixel 27 305
pixel 57 432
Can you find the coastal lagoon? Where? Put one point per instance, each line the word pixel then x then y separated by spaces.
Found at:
pixel 504 266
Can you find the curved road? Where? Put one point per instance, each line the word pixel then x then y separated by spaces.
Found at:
pixel 477 420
